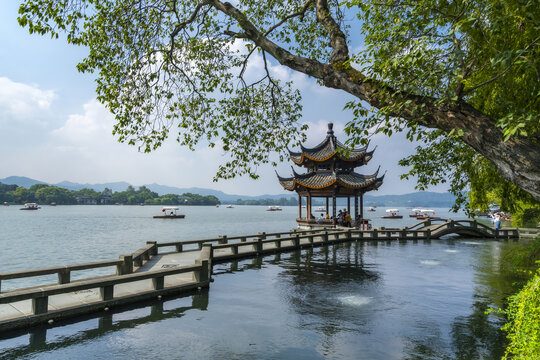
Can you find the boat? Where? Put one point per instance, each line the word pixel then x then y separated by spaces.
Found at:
pixel 6 203
pixel 229 206
pixel 53 204
pixel 274 208
pixel 320 209
pixel 393 214
pixel 417 212
pixel 169 212
pixel 371 208
pixel 217 205
pixel 30 206
pixel 427 214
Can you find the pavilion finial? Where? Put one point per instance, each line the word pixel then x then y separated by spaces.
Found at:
pixel 330 131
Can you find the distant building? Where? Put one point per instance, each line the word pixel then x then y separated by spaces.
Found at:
pixel 105 200
pixel 85 200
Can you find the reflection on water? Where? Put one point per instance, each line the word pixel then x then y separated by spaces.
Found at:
pixel 388 300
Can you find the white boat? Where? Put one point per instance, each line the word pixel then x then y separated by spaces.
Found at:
pixel 427 214
pixel 274 208
pixel 417 212
pixel 393 214
pixel 31 206
pixel 229 206
pixel 371 208
pixel 170 212
pixel 320 209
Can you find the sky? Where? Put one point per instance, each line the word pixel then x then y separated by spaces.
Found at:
pixel 52 128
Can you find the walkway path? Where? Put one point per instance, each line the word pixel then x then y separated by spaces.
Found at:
pixel 152 272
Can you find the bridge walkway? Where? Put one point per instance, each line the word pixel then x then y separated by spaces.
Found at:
pixel 159 269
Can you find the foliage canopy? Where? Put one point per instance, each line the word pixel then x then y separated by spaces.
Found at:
pixel 460 75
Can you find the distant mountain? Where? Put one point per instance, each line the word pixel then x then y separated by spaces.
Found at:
pixel 20 181
pixel 417 199
pixel 114 186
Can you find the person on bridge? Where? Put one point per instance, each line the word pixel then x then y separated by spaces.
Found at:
pixel 497 221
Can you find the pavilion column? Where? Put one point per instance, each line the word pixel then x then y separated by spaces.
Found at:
pixel 362 205
pixel 327 210
pixel 299 206
pixel 334 206
pixel 356 206
pixel 348 205
pixel 309 206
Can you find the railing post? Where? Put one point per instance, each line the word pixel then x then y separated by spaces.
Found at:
pixel 204 274
pixel 243 239
pixel 428 234
pixel 127 265
pixel 375 234
pixel 179 248
pixel 262 235
pixel 258 245
pixel 107 292
pixel 222 239
pixel 325 238
pixel 200 245
pixel 296 240
pixel 158 282
pixel 234 249
pixel 64 276
pixel 475 224
pixel 40 305
pixel 154 249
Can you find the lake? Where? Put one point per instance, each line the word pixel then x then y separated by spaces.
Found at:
pixel 389 300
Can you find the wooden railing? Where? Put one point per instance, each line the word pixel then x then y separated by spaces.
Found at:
pixel 39 296
pixel 529 232
pixel 63 272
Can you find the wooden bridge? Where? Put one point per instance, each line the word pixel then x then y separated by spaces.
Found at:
pixel 170 268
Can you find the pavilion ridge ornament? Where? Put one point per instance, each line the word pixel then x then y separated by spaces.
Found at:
pixel 330 173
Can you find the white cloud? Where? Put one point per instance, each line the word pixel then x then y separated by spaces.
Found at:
pixel 23 102
pixel 87 128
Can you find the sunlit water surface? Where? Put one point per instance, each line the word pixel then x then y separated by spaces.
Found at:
pixel 391 300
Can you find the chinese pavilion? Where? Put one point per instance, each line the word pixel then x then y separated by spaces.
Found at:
pixel 330 174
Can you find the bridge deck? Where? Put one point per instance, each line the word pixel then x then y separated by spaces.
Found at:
pixel 150 272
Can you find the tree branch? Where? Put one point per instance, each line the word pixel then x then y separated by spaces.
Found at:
pixel 337 38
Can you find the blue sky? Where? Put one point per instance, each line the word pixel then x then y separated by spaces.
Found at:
pixel 53 129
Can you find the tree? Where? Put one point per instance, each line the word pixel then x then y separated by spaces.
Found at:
pixel 462 75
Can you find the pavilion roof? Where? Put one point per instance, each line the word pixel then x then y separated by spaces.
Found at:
pixel 326 179
pixel 331 147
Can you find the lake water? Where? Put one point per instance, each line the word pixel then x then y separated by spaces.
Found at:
pixel 413 300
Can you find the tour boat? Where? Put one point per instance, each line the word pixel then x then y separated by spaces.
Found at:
pixel 30 206
pixel 273 208
pixel 393 214
pixel 417 212
pixel 371 208
pixel 169 212
pixel 426 214
pixel 320 209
